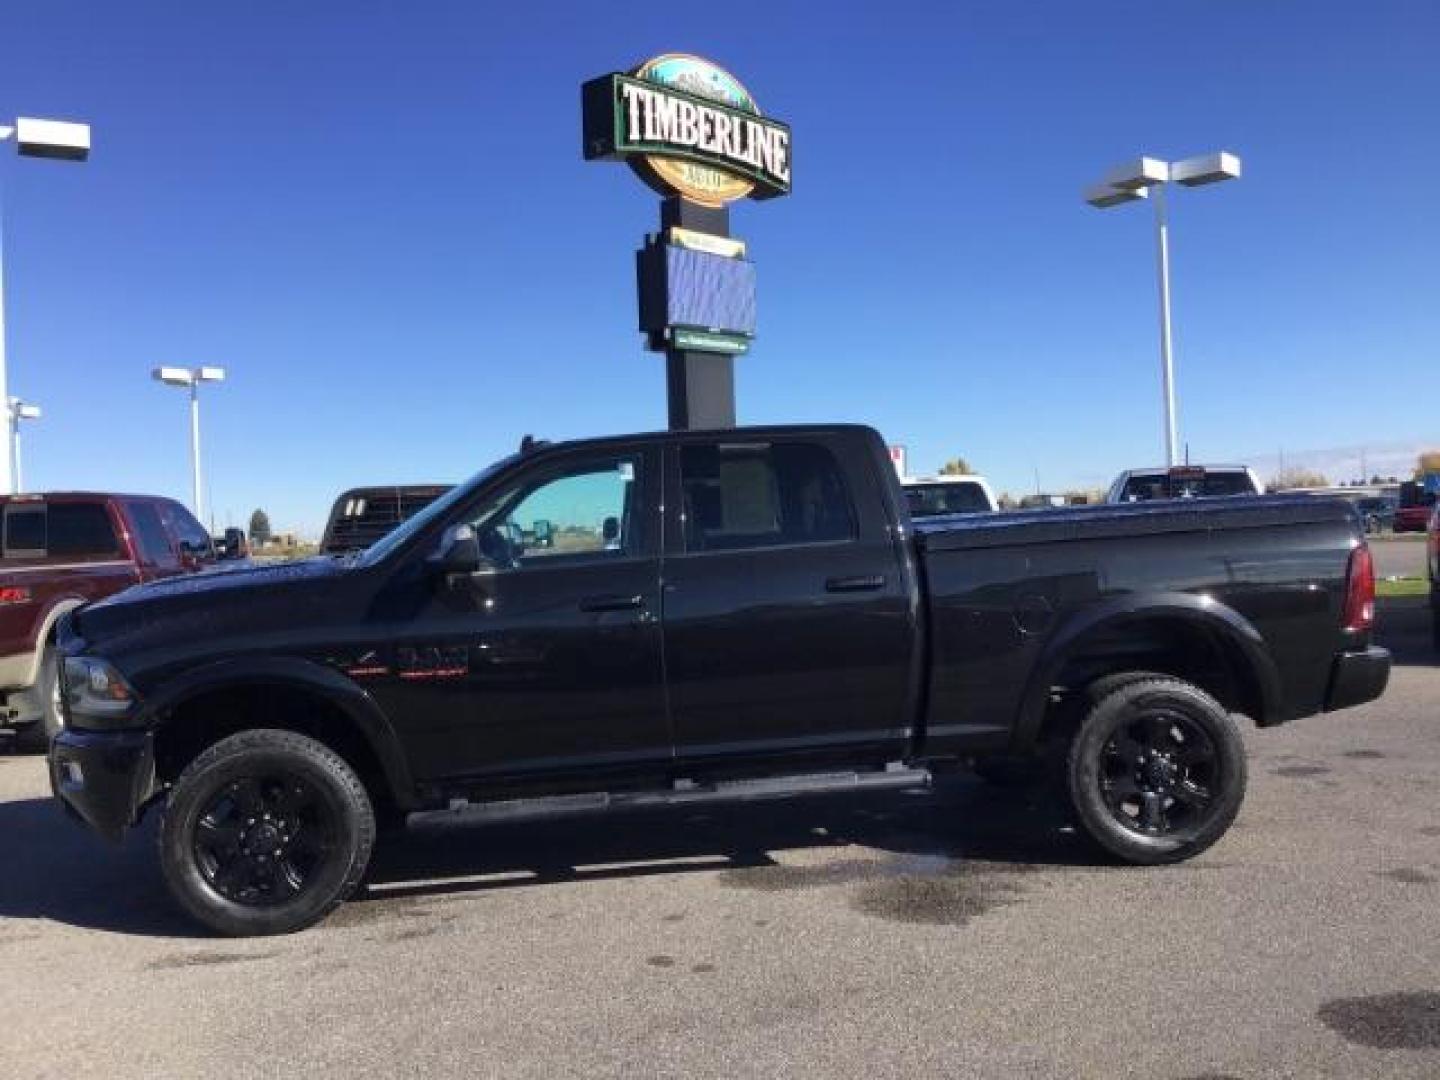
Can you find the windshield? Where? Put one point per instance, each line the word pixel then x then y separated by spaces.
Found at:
pixel 1143 487
pixel 928 500
pixel 399 536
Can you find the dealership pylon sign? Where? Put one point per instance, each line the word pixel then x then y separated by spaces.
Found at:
pixel 695 135
pixel 689 128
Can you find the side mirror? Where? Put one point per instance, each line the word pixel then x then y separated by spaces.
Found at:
pixel 610 530
pixel 460 552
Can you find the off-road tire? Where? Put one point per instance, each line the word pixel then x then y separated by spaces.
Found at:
pixel 249 758
pixel 1208 762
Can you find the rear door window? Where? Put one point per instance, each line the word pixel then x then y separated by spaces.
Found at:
pixel 751 495
pixel 81 530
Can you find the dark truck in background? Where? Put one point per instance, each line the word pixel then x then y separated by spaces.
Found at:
pixel 715 616
pixel 362 515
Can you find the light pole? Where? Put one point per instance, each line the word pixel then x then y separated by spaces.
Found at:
pixel 33 138
pixel 1137 180
pixel 18 410
pixel 192 378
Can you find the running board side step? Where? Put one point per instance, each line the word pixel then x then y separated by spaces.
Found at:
pixel 682 793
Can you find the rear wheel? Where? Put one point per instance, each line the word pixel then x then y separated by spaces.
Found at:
pixel 266 832
pixel 1156 771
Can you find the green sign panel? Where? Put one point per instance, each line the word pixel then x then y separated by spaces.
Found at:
pixel 708 341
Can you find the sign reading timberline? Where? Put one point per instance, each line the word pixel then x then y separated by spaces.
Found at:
pixel 689 128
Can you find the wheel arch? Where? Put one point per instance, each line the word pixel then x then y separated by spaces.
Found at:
pixel 58 608
pixel 195 710
pixel 1192 637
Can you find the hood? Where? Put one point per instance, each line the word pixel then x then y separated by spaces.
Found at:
pixel 208 595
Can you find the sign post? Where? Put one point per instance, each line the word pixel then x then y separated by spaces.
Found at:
pixel 694 134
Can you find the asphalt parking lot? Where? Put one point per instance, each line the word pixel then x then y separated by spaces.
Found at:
pixel 964 933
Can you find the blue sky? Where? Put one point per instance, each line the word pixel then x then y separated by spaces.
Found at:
pixel 377 218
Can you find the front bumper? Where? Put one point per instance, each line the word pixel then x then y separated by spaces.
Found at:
pixel 1358 677
pixel 105 778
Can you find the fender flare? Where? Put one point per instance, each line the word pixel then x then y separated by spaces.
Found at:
pixel 295 674
pixel 1224 623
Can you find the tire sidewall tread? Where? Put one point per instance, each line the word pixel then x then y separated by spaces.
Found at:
pixel 1083 765
pixel 238 755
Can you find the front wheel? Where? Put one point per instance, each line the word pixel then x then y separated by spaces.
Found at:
pixel 1156 771
pixel 45 695
pixel 266 832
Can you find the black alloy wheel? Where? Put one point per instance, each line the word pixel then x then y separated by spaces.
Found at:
pixel 1159 773
pixel 261 839
pixel 1156 770
pixel 265 832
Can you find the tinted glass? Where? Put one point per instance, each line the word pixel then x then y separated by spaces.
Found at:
pixel 25 530
pixel 757 495
pixel 150 533
pixel 588 509
pixel 926 500
pixel 1159 486
pixel 81 529
pixel 189 533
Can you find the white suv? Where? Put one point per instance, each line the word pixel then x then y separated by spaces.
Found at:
pixel 928 496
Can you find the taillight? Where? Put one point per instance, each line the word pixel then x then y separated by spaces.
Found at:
pixel 14 594
pixel 1360 591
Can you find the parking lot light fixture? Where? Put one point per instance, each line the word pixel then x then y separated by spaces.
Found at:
pixel 191 378
pixel 1136 180
pixel 59 139
pixel 17 410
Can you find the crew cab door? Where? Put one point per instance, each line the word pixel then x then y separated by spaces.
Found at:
pixel 548 662
pixel 789 626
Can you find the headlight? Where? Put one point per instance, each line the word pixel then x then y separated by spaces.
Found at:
pixel 94 687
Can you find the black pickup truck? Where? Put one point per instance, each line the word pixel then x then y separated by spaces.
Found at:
pixel 711 616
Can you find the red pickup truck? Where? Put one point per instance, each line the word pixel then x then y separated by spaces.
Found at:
pixel 60 550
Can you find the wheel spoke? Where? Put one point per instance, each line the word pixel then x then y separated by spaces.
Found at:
pixel 1159 731
pixel 1121 786
pixel 248 797
pixel 1124 745
pixel 290 797
pixel 232 875
pixel 1195 750
pixel 309 840
pixel 1152 811
pixel 1192 795
pixel 217 836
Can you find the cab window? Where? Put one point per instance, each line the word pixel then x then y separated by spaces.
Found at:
pixel 749 495
pixel 586 511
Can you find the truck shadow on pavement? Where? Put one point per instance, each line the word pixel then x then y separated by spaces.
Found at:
pixel 1402 625
pixel 57 871
pixel 961 819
